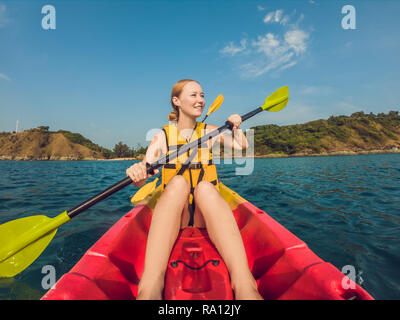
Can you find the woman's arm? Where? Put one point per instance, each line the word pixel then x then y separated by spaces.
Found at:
pixel 237 140
pixel 157 148
pixel 138 171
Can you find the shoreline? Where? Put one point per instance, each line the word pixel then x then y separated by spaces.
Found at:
pixel 329 154
pixel 266 156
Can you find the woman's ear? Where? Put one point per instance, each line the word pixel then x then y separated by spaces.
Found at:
pixel 176 101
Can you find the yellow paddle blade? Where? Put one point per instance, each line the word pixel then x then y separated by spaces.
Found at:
pixel 144 191
pixel 23 240
pixel 277 100
pixel 216 104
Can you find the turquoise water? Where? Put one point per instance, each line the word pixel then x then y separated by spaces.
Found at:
pixel 347 209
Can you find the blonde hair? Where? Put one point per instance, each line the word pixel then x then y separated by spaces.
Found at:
pixel 176 92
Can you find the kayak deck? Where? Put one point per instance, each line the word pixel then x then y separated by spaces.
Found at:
pixel 282 264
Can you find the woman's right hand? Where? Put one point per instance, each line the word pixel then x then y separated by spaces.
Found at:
pixel 138 173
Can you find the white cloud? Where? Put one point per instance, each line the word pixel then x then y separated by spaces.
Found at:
pixel 231 49
pixel 276 17
pixel 260 8
pixel 273 51
pixel 296 40
pixel 259 67
pixel 269 45
pixel 289 65
pixel 276 53
pixel 3 76
pixel 268 18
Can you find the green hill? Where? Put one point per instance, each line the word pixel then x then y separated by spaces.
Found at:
pixel 79 139
pixel 41 144
pixel 358 132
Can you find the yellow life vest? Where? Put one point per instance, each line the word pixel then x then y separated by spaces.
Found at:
pixel 194 165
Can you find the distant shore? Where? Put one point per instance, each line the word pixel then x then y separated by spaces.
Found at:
pixel 297 155
pixel 327 154
pixel 27 158
pixel 259 156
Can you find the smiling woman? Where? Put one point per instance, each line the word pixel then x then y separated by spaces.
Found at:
pixel 177 90
pixel 190 194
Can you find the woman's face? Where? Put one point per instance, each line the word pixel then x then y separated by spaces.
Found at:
pixel 191 100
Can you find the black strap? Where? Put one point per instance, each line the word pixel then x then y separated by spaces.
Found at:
pixel 192 205
pixel 192 208
pixel 174 147
pixel 187 163
pixel 191 165
pixel 166 142
pixel 182 170
pixel 166 139
pixel 201 175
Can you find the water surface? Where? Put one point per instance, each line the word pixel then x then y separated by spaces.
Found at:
pixel 346 208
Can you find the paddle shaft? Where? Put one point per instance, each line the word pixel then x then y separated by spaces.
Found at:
pixel 151 167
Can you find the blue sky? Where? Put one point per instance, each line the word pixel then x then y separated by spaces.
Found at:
pixel 107 69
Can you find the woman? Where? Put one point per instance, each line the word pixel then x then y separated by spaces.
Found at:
pixel 187 202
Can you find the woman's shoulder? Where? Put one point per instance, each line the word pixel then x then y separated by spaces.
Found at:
pixel 158 138
pixel 161 135
pixel 157 146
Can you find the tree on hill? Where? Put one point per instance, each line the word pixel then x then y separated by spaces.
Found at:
pixel 43 128
pixel 139 150
pixel 121 150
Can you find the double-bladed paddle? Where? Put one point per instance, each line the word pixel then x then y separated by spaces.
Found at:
pixel 24 239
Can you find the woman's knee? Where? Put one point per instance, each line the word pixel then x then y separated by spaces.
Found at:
pixel 178 184
pixel 204 189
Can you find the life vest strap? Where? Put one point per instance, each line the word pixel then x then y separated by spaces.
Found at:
pixel 175 147
pixel 190 166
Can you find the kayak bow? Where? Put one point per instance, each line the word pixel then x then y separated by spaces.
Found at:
pixel 282 264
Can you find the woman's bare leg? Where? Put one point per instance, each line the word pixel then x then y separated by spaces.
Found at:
pixel 224 233
pixel 164 229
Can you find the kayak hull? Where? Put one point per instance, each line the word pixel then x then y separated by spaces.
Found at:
pixel 282 264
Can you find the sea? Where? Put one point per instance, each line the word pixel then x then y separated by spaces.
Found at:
pixel 346 209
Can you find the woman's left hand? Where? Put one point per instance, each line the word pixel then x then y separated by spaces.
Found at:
pixel 236 120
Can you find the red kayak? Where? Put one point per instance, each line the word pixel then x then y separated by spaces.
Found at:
pixel 282 264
